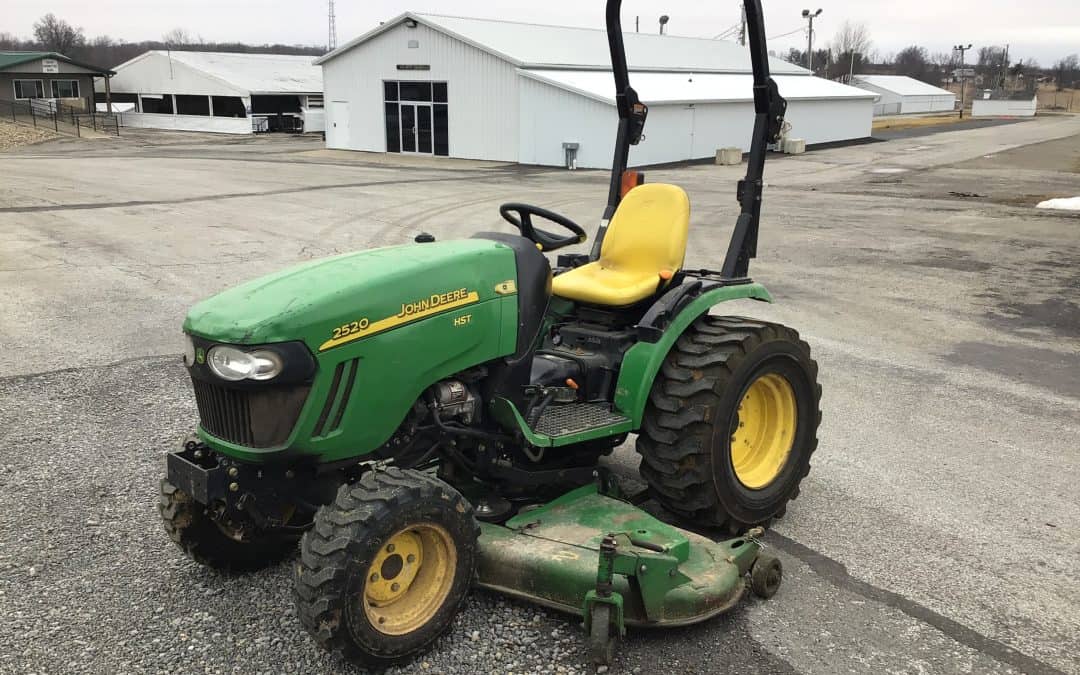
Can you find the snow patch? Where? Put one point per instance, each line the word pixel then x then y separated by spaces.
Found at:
pixel 1063 204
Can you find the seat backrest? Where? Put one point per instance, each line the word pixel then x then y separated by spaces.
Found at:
pixel 649 230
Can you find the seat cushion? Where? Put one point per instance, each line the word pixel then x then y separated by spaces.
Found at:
pixel 644 246
pixel 598 285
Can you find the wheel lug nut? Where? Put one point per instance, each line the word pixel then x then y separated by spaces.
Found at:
pixel 233 472
pixel 410 558
pixel 395 587
pixel 390 548
pixel 233 487
pixel 374 577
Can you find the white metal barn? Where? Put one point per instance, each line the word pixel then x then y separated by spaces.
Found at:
pixel 901 95
pixel 220 92
pixel 497 90
pixel 1015 105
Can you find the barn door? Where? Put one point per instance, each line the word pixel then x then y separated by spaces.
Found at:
pixel 339 123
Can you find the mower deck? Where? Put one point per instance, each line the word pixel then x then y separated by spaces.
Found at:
pixel 551 555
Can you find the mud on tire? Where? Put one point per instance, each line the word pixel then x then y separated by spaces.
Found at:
pixel 693 413
pixel 189 526
pixel 352 542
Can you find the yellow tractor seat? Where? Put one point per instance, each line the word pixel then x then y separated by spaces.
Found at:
pixel 644 247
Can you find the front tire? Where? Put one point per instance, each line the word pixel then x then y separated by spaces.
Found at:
pixel 204 541
pixel 385 568
pixel 731 422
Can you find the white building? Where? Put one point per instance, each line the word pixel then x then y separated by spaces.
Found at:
pixel 986 104
pixel 497 90
pixel 220 92
pixel 901 95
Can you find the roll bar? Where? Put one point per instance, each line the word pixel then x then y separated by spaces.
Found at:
pixel 769 110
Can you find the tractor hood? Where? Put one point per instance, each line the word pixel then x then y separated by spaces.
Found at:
pixel 338 300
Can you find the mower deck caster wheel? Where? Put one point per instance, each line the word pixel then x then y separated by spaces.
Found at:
pixel 601 641
pixel 766 575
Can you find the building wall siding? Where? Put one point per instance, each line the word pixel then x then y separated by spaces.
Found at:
pixel 482 92
pixel 86 85
pixel 1001 108
pixel 673 133
pixel 551 116
pixel 216 125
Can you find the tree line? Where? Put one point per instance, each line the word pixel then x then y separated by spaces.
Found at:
pixel 851 50
pixel 52 34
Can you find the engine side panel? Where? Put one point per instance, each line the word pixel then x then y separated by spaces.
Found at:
pixel 382 325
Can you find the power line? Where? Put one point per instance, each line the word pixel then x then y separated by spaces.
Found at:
pixel 800 29
pixel 727 32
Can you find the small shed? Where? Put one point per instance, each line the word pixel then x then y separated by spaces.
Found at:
pixel 220 92
pixel 903 95
pixel 49 77
pixel 534 94
pixel 992 104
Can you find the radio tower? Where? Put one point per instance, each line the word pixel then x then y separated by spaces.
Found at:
pixel 331 42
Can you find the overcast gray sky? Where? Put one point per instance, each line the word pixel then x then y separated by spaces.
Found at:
pixel 1042 29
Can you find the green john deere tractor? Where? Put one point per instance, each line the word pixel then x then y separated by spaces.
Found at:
pixel 429 417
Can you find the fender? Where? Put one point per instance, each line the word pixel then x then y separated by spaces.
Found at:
pixel 661 326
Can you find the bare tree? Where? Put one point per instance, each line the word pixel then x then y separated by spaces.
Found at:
pixel 850 49
pixel 852 37
pixel 1066 71
pixel 913 61
pixel 57 35
pixel 177 37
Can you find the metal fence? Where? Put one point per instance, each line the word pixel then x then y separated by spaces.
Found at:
pixel 64 119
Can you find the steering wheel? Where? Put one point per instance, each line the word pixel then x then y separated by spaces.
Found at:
pixel 544 239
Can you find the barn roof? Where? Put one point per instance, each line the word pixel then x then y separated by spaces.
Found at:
pixel 254 73
pixel 683 87
pixel 902 85
pixel 12 59
pixel 542 46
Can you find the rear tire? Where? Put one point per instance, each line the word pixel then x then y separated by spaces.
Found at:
pixel 704 459
pixel 196 533
pixel 385 568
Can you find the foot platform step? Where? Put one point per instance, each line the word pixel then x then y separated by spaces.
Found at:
pixel 572 418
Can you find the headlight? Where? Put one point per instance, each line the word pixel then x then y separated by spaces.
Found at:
pixel 189 351
pixel 232 364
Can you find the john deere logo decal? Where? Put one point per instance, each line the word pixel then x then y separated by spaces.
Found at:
pixel 436 300
pixel 436 303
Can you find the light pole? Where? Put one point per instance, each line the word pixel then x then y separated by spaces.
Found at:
pixel 663 22
pixel 810 38
pixel 962 49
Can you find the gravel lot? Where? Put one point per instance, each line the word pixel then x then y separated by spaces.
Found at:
pixel 13 135
pixel 937 532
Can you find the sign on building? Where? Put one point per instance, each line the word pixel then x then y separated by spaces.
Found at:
pixel 50 66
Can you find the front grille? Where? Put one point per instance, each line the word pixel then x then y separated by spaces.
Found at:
pixel 255 418
pixel 334 407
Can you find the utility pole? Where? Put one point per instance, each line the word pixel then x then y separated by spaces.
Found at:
pixel 962 49
pixel 637 24
pixel 851 71
pixel 331 40
pixel 810 38
pixel 742 29
pixel 1005 69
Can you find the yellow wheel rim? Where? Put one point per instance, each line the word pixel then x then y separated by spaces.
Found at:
pixel 409 579
pixel 765 431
